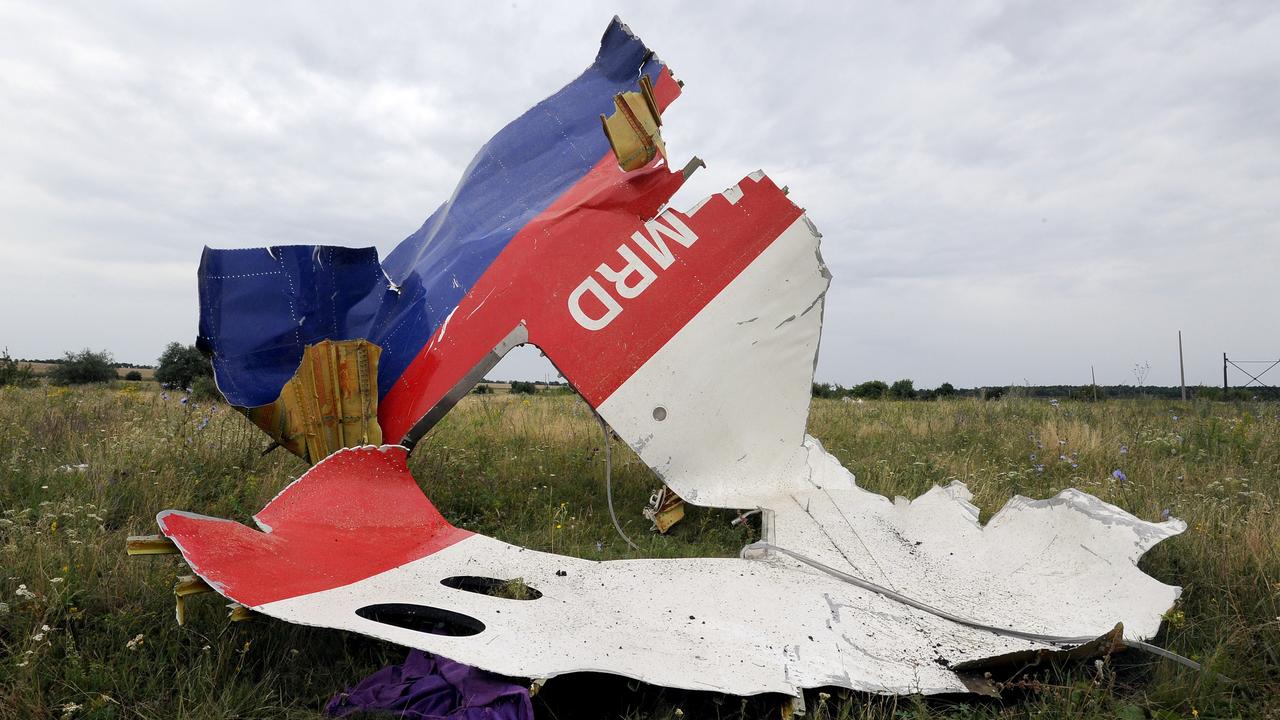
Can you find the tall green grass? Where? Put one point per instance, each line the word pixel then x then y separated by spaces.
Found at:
pixel 84 468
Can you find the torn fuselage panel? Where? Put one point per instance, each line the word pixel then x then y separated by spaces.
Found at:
pixel 743 626
pixel 260 308
pixel 694 335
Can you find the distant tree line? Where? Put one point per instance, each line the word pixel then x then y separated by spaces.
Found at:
pixel 906 390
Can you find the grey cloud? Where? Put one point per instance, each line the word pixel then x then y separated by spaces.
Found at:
pixel 1006 190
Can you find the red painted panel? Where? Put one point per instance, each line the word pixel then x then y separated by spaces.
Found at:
pixel 532 278
pixel 355 514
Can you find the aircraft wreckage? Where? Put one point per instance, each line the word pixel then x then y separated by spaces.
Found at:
pixel 559 235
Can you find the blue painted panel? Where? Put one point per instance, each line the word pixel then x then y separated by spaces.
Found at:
pixel 260 308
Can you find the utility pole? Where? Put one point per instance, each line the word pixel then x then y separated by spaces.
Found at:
pixel 1224 372
pixel 1182 371
pixel 1094 377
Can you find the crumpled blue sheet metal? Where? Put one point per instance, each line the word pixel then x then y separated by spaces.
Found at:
pixel 260 308
pixel 429 687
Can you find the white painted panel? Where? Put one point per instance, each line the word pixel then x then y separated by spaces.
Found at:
pixel 734 383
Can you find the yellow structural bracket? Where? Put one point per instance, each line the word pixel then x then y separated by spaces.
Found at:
pixel 632 129
pixel 186 586
pixel 330 403
pixel 149 545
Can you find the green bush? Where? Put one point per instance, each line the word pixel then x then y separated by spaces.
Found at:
pixel 13 373
pixel 520 387
pixel 482 389
pixel 83 367
pixel 827 390
pixel 903 389
pixel 180 365
pixel 133 376
pixel 204 388
pixel 871 389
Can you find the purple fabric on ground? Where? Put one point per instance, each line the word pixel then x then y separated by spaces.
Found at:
pixel 426 687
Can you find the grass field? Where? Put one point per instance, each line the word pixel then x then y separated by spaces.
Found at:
pixel 86 632
pixel 42 369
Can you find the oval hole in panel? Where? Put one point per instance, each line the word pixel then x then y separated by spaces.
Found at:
pixel 422 618
pixel 493 587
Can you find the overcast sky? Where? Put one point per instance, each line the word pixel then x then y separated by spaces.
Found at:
pixel 1008 192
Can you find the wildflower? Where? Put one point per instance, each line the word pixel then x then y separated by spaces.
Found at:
pixel 1175 417
pixel 56 580
pixel 1054 402
pixel 1165 514
pixel 1124 449
pixel 204 422
pixel 183 400
pixel 1119 475
pixel 136 642
pixel 1033 457
pixel 1040 468
pixel 23 592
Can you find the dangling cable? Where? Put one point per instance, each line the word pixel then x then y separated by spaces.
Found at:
pixel 608 483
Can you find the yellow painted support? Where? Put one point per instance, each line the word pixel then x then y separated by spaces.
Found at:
pixel 186 586
pixel 238 613
pixel 633 127
pixel 329 404
pixel 149 545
